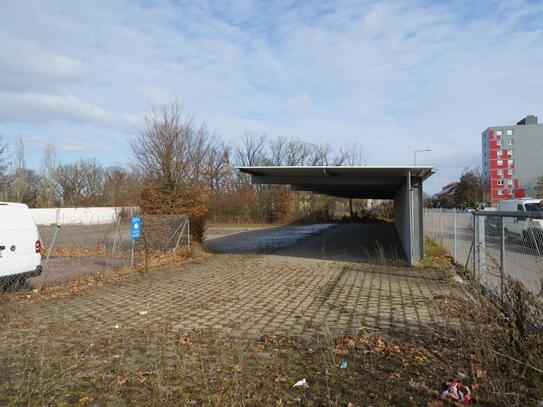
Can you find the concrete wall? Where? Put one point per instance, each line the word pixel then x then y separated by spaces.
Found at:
pixel 418 222
pixel 401 220
pixel 411 235
pixel 83 216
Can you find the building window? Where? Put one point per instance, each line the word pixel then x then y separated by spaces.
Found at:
pixel 509 132
pixel 498 142
pixel 510 162
pixel 500 162
pixel 510 142
pixel 500 152
pixel 500 172
pixel 509 172
pixel 509 182
pixel 498 132
pixel 510 151
pixel 510 192
pixel 500 182
pixel 500 191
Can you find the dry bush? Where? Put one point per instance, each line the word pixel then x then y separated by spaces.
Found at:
pixel 269 205
pixel 246 205
pixel 502 349
pixel 188 200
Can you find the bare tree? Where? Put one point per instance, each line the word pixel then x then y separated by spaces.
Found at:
pixel 296 153
pixel 216 165
pixel 171 148
pixel 320 154
pixel 278 148
pixel 19 184
pixel 355 154
pixel 80 183
pixel 47 187
pixel 172 155
pixel 4 180
pixel 252 149
pixel 121 187
pixel 352 154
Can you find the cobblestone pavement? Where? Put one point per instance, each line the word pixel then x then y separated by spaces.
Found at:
pixel 254 294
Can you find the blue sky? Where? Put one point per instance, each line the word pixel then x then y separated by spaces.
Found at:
pixel 392 75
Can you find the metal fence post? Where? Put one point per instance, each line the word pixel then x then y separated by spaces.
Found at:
pixel 454 234
pixel 433 229
pixel 188 233
pixel 502 256
pixel 181 234
pixel 116 232
pixel 475 247
pixel 441 224
pixel 132 253
pixel 53 241
pixel 480 245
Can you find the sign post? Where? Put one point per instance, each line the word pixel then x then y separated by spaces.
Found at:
pixel 135 230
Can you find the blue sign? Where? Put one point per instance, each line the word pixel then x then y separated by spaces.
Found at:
pixel 136 227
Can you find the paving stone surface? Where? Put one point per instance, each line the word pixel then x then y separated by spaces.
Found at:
pixel 294 291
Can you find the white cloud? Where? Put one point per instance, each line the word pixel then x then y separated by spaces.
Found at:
pixel 400 75
pixel 31 107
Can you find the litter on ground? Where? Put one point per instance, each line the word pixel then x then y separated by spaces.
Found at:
pixel 301 383
pixel 455 390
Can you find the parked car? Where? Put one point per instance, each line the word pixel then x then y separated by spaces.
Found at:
pixel 523 227
pixel 20 246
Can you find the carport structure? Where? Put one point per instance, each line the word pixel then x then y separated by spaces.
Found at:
pixel 401 184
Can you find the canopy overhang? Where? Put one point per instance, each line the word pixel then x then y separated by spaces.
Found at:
pixel 342 182
pixel 402 184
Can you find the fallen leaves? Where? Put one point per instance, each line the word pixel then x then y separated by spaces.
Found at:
pixel 122 381
pixel 85 400
pixel 281 379
pixel 185 340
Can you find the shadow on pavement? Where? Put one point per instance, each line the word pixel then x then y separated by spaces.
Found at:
pixel 373 243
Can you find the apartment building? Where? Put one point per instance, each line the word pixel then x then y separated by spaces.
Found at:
pixel 512 160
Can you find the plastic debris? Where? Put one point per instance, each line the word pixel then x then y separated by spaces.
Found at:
pixel 413 383
pixel 343 365
pixel 455 390
pixel 461 374
pixel 301 383
pixel 117 326
pixel 143 312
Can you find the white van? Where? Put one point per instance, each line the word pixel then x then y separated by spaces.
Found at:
pixel 522 227
pixel 20 246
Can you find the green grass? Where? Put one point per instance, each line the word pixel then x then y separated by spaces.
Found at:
pixel 435 255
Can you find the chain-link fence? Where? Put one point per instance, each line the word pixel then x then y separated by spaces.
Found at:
pixel 493 245
pixel 63 252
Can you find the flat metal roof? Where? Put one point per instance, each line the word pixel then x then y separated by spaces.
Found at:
pixel 416 171
pixel 340 181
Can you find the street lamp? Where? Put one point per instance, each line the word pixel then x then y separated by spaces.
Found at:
pixel 415 155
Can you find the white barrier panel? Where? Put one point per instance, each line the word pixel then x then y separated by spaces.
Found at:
pixel 80 216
